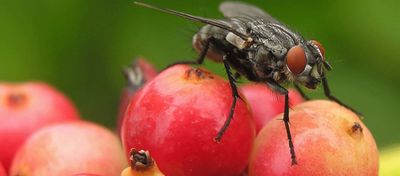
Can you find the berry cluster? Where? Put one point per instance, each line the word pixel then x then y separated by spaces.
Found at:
pixel 176 116
pixel 168 122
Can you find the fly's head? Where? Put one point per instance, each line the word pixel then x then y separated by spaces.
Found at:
pixel 306 64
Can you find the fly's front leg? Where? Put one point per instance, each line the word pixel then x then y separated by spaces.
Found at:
pixel 235 95
pixel 275 86
pixel 328 94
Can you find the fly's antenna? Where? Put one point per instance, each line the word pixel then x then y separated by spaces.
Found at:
pixel 217 23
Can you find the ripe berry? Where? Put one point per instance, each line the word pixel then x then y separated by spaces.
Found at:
pixel 25 108
pixel 328 139
pixel 68 149
pixel 176 117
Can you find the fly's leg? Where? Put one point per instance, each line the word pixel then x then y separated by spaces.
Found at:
pixel 235 95
pixel 200 58
pixel 301 92
pixel 237 76
pixel 328 94
pixel 275 86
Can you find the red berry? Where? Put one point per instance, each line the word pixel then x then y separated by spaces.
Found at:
pixel 68 149
pixel 176 117
pixel 328 140
pixel 25 108
pixel 265 103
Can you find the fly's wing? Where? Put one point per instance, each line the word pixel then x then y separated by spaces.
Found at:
pixel 218 23
pixel 239 9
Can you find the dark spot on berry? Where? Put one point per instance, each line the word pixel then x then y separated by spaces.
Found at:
pixel 356 131
pixel 197 74
pixel 16 99
pixel 356 128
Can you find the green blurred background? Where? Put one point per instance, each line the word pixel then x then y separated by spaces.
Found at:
pixel 80 47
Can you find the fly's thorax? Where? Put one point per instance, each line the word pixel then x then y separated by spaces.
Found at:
pixel 265 64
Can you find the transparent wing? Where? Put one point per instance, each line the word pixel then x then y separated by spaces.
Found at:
pixel 239 9
pixel 218 23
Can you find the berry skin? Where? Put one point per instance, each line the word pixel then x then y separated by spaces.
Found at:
pixel 2 171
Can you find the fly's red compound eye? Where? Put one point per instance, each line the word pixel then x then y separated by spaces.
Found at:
pixel 296 59
pixel 320 47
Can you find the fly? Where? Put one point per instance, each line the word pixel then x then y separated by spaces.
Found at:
pixel 262 49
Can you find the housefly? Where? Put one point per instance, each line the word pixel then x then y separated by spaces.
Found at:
pixel 262 49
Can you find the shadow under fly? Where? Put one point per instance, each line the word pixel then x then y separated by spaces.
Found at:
pixel 262 49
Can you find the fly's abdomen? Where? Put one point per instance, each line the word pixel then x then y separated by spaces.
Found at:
pixel 214 52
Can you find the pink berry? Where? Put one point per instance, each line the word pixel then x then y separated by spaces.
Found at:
pixel 328 140
pixel 25 108
pixel 68 149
